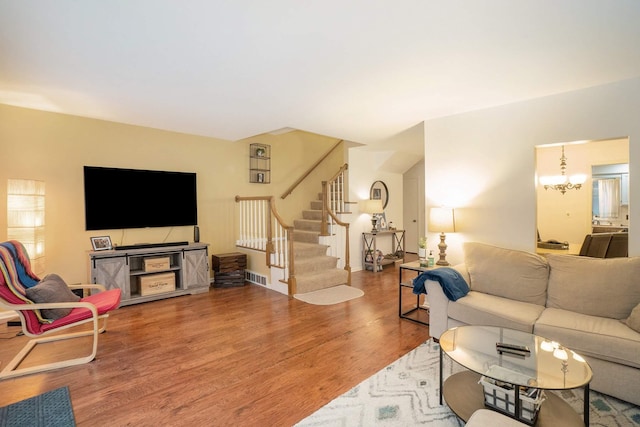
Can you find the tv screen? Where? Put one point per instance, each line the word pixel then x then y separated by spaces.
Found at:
pixel 133 198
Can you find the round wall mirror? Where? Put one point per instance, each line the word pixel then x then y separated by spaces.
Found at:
pixel 379 191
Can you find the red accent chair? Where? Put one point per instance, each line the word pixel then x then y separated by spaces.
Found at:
pixel 15 278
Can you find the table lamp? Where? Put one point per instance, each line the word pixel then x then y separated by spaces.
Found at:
pixel 442 220
pixel 372 207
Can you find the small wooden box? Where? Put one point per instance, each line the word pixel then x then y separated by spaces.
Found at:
pixel 229 269
pixel 229 280
pixel 226 263
pixel 157 264
pixel 157 283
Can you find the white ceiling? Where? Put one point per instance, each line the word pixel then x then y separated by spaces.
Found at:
pixel 359 70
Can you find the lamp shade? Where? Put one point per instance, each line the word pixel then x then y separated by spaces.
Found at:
pixel 442 220
pixel 371 206
pixel 25 218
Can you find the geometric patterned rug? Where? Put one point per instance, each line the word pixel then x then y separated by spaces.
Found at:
pixel 50 409
pixel 406 393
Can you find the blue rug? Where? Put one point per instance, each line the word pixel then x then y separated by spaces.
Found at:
pixel 406 393
pixel 50 409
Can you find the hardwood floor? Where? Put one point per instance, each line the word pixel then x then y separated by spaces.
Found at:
pixel 237 356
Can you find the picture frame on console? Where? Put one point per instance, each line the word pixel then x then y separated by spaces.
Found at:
pixel 101 243
pixel 382 222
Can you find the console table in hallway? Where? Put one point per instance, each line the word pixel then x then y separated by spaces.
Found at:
pixel 370 247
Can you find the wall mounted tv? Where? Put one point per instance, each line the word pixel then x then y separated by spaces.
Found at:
pixel 133 198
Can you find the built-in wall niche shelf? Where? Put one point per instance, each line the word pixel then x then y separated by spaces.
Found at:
pixel 260 163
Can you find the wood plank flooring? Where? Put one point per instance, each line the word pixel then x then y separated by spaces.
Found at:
pixel 237 356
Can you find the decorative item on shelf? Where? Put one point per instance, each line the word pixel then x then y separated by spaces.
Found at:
pixel 442 220
pixel 260 163
pixel 368 256
pixel 391 226
pixel 372 207
pixel 382 222
pixel 563 182
pixel 158 283
pixel 422 248
pixel 101 243
pixel 379 258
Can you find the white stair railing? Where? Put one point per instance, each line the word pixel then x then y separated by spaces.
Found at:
pixel 334 232
pixel 336 190
pixel 262 229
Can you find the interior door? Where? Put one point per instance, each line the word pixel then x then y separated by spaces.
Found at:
pixel 410 214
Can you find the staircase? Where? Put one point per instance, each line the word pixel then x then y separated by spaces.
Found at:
pixel 315 270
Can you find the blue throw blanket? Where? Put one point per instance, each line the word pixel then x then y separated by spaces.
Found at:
pixel 452 282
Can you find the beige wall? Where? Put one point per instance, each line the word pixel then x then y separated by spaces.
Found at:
pixel 54 147
pixel 362 174
pixel 483 162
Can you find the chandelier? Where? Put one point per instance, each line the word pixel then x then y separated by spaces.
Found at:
pixel 563 182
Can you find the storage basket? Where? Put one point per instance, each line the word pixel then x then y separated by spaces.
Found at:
pixel 501 396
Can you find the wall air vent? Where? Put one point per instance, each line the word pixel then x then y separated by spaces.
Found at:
pixel 255 278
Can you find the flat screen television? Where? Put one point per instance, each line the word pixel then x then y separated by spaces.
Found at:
pixel 133 198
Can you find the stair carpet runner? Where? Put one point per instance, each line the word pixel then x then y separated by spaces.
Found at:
pixel 314 269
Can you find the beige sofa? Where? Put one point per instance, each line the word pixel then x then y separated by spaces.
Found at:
pixel 587 304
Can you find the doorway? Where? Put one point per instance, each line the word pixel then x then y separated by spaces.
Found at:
pixel 413 206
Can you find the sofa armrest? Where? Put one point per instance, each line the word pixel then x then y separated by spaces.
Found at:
pixel 462 269
pixel 438 308
pixel 439 303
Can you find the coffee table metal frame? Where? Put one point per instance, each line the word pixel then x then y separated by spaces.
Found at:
pixel 516 388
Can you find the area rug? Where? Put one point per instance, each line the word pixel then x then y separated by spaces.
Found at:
pixel 50 409
pixel 406 393
pixel 328 296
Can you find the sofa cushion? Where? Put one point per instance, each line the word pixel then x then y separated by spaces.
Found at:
pixel 49 290
pixel 478 308
pixel 633 321
pixel 599 337
pixel 508 273
pixel 607 287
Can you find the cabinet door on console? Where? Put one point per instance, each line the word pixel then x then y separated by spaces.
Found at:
pixel 195 269
pixel 113 273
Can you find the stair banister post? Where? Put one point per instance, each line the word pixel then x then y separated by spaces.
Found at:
pixel 269 249
pixel 293 286
pixel 324 229
pixel 347 261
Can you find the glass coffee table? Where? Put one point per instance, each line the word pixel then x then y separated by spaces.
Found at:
pixel 508 371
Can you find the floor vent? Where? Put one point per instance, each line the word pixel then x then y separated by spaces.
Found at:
pixel 256 278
